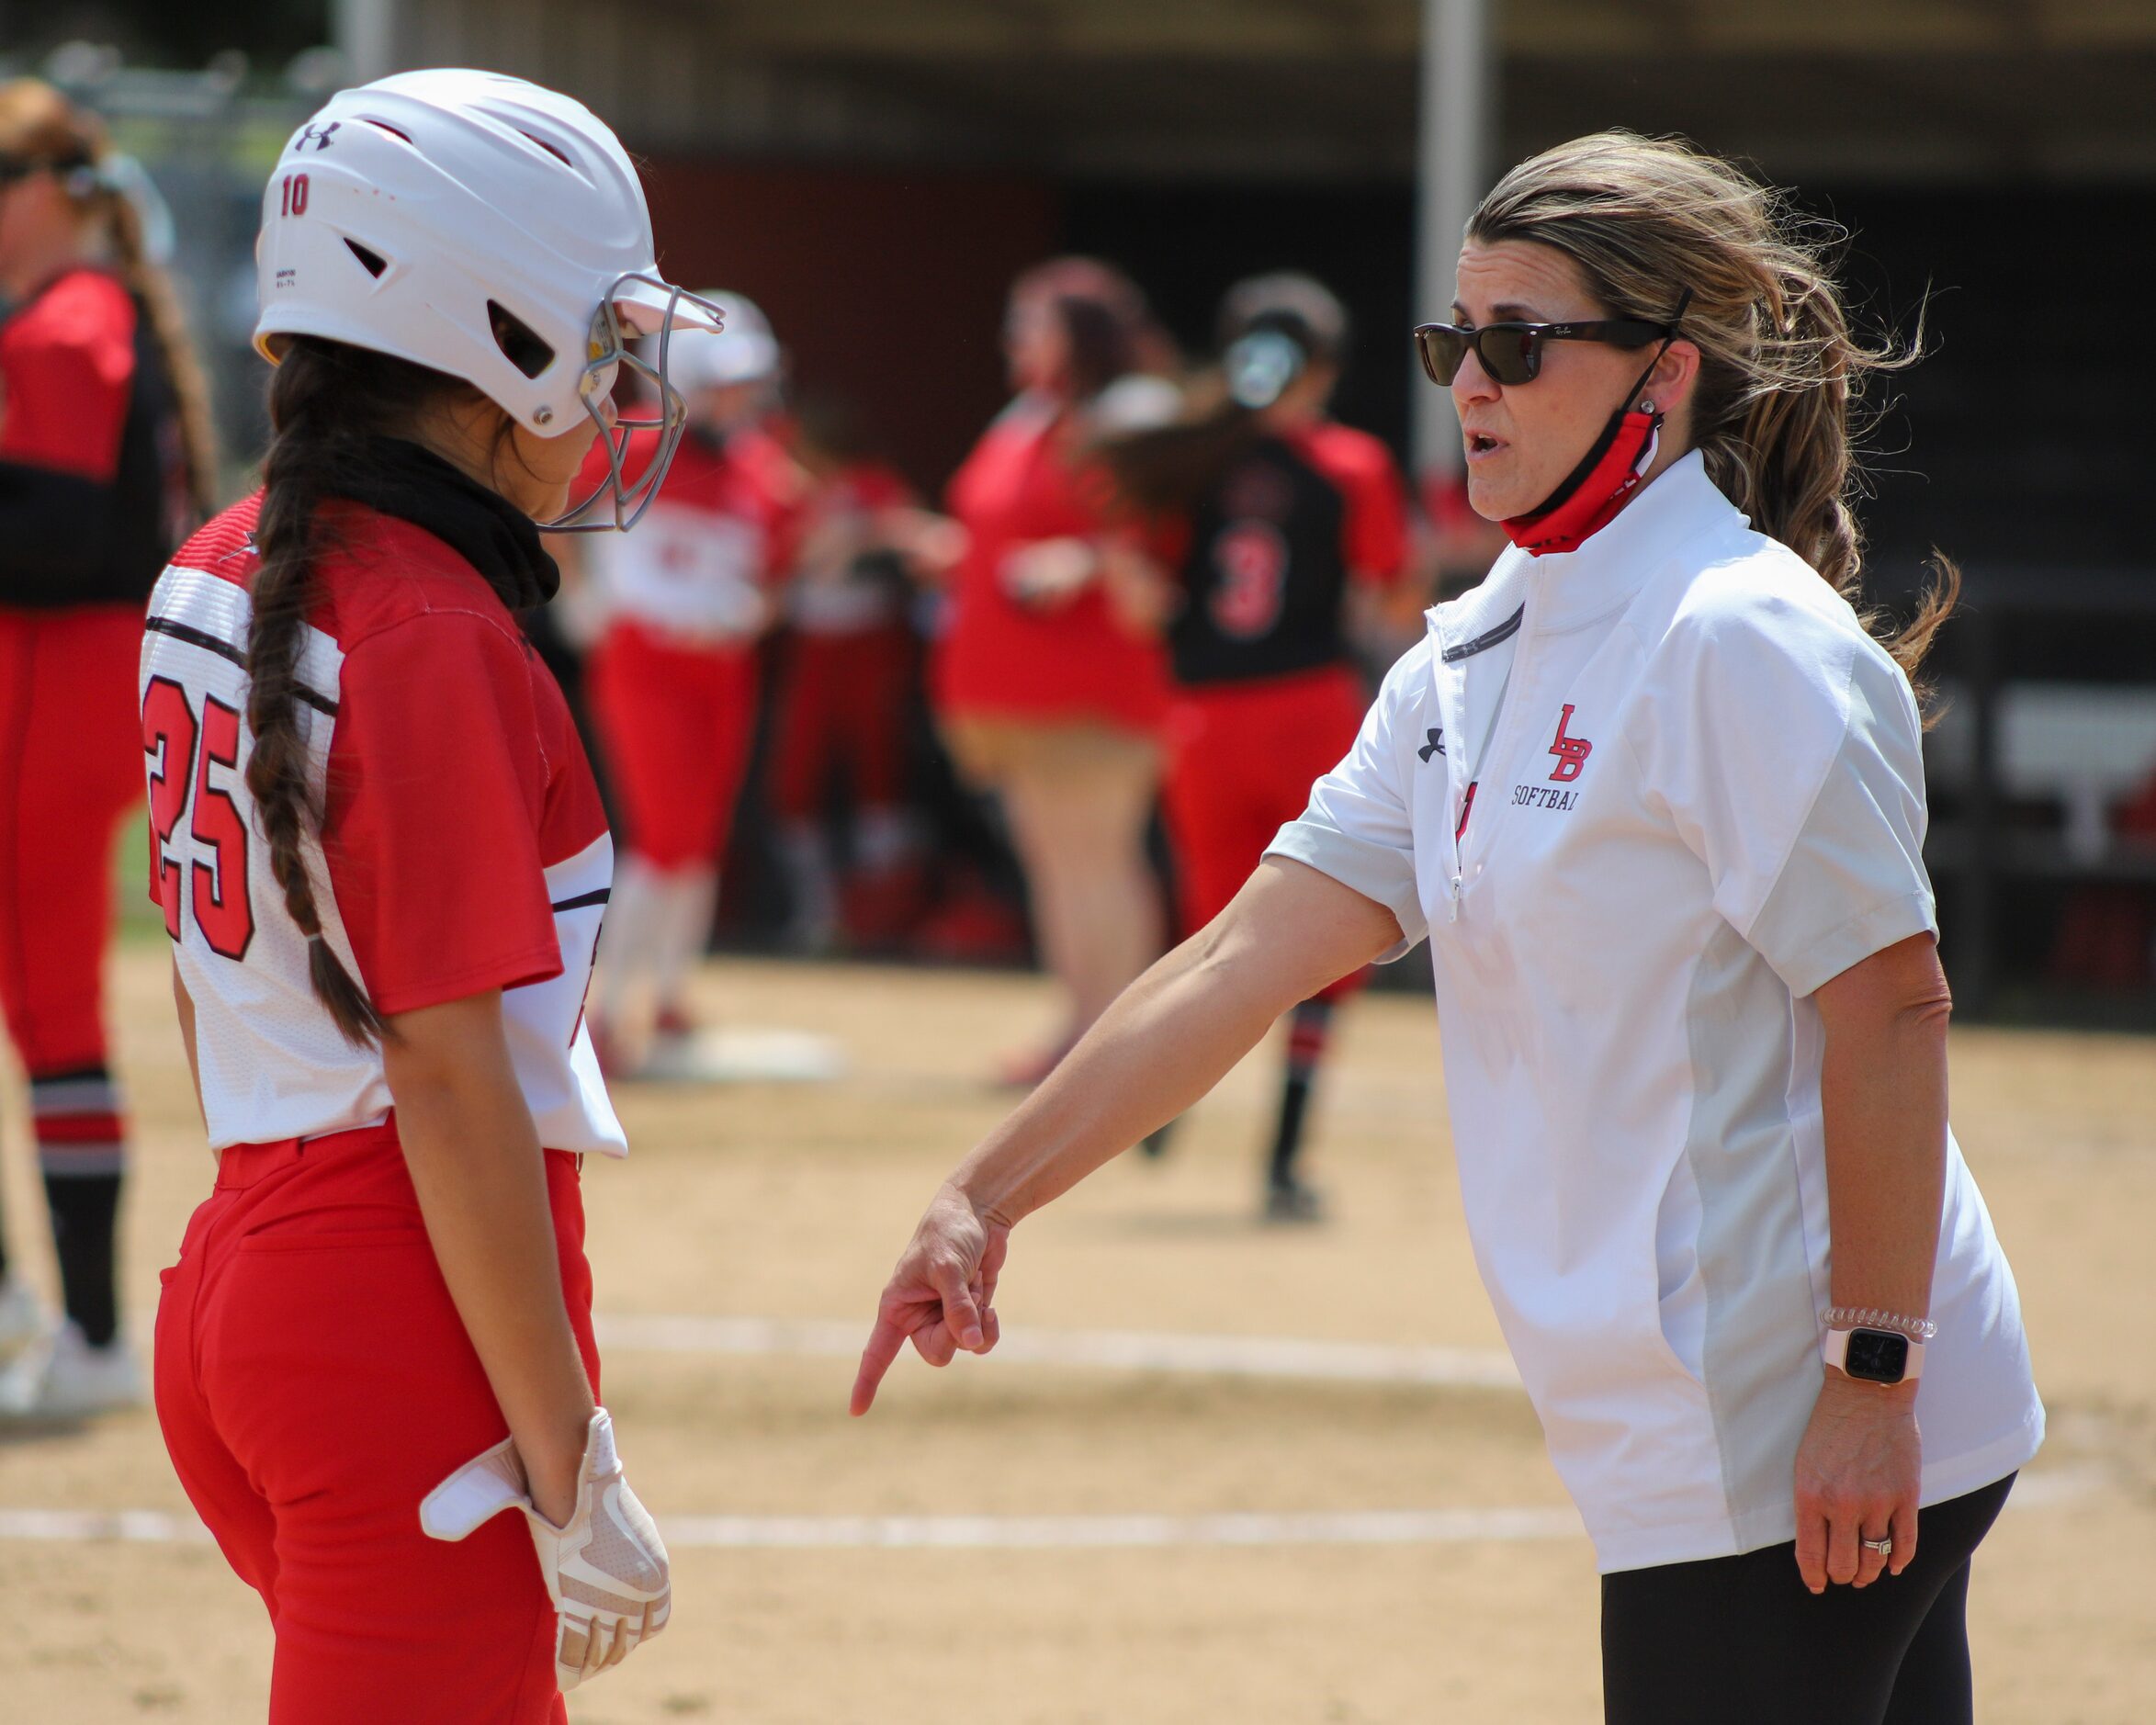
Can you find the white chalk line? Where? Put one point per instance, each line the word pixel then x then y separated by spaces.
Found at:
pixel 1122 1350
pixel 949 1533
pixel 1018 1533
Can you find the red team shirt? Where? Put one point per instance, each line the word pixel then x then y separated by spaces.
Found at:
pixel 94 491
pixel 69 360
pixel 1003 659
pixel 463 846
pixel 1373 532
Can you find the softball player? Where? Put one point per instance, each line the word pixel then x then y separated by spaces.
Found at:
pixel 105 464
pixel 1042 695
pixel 1276 522
pixel 1654 797
pixel 844 688
pixel 674 679
pixel 382 862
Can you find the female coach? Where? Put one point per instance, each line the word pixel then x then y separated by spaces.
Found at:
pixel 1654 795
pixel 382 863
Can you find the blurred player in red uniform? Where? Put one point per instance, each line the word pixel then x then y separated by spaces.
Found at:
pixel 106 463
pixel 844 690
pixel 382 861
pixel 1281 529
pixel 1044 695
pixel 674 679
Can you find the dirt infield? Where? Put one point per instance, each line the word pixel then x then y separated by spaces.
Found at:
pixel 1021 1590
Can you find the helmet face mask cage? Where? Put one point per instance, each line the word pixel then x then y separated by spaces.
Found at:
pixel 606 351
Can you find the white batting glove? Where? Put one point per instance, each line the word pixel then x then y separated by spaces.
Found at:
pixel 607 1571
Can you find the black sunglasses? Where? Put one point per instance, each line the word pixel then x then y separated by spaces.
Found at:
pixel 14 168
pixel 1512 353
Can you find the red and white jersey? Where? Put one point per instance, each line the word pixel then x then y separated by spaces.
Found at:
pixel 700 564
pixel 462 846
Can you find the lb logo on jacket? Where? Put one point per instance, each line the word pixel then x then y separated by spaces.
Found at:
pixel 1572 752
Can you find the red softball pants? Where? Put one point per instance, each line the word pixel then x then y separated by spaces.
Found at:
pixel 842 713
pixel 1241 758
pixel 314 1383
pixel 677 723
pixel 70 765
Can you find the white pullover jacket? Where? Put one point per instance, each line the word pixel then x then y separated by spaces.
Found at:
pixel 1697 795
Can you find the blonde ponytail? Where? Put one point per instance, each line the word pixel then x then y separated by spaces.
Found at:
pixel 150 285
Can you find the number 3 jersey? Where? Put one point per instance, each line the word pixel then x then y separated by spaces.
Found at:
pixel 461 844
pixel 1266 560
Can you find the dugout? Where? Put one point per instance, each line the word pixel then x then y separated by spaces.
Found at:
pixel 876 171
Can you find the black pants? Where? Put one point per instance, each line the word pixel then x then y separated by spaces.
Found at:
pixel 1738 1640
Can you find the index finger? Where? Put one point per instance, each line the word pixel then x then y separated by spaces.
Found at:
pixel 884 1344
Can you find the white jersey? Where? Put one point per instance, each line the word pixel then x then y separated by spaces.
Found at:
pixel 463 847
pixel 1692 792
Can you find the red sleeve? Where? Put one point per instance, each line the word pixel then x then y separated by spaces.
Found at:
pixel 67 365
pixel 1374 528
pixel 780 494
pixel 437 786
pixel 1375 533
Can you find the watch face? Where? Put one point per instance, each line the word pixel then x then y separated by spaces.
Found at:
pixel 1876 1356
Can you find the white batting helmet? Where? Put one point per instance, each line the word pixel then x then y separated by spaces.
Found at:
pixel 745 351
pixel 486 227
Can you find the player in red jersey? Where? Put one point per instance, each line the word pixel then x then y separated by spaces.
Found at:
pixel 1278 526
pixel 381 856
pixel 105 464
pixel 673 680
pixel 847 678
pixel 1043 695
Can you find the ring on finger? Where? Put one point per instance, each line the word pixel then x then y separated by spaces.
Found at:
pixel 1885 1547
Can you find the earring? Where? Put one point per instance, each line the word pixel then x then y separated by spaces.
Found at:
pixel 1646 407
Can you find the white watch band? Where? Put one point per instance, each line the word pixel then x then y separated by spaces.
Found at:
pixel 1835 1351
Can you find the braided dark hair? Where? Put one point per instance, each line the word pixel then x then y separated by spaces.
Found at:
pixel 327 399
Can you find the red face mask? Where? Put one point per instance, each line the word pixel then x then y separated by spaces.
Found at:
pixel 1594 491
pixel 1590 495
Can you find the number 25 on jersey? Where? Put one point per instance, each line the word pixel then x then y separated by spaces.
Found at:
pixel 182 747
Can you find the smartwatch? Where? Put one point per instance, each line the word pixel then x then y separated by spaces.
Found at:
pixel 1881 1357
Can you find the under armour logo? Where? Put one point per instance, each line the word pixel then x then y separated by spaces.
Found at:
pixel 1435 746
pixel 1572 752
pixel 319 136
